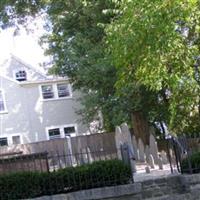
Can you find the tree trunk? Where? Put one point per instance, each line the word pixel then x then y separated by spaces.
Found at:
pixel 140 127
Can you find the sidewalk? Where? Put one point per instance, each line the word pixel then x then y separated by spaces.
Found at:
pixel 141 174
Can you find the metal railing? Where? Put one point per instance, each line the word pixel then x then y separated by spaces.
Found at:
pixel 186 151
pixel 51 161
pixel 60 173
pixel 60 161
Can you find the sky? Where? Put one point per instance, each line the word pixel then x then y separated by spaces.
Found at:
pixel 24 45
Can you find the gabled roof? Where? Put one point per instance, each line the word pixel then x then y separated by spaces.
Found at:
pixel 44 78
pixel 46 81
pixel 13 57
pixel 8 78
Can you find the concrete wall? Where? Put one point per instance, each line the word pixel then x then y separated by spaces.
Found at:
pixel 178 187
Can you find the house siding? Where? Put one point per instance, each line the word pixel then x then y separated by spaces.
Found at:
pixel 29 115
pixel 13 65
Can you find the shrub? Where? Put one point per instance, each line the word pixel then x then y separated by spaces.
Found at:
pixel 33 184
pixel 194 160
pixel 20 185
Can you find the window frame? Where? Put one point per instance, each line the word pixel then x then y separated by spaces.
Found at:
pixel 55 91
pixel 70 134
pixel 20 139
pixel 68 88
pixel 4 137
pixel 4 102
pixel 61 128
pixel 54 136
pixel 16 71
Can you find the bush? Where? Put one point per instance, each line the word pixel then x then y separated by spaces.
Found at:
pixel 33 184
pixel 194 160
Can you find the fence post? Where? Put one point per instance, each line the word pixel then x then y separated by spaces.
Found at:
pixel 177 156
pixel 169 156
pixel 47 162
pixel 189 164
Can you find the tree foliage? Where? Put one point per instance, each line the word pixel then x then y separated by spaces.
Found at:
pixel 79 50
pixel 125 56
pixel 15 12
pixel 77 47
pixel 154 43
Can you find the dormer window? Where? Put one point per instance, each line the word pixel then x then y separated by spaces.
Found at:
pixel 21 75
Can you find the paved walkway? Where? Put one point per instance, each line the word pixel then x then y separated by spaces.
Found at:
pixel 141 174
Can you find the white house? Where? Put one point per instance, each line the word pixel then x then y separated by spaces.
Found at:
pixel 33 107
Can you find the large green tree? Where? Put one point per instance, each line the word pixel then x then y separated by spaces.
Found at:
pixel 143 68
pixel 78 46
pixel 155 43
pixel 78 49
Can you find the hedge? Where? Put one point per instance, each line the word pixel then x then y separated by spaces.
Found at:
pixel 194 160
pixel 26 185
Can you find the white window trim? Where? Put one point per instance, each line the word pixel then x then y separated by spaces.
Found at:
pixel 55 91
pixel 11 138
pixel 70 125
pixel 61 128
pixel 41 94
pixel 69 88
pixel 4 101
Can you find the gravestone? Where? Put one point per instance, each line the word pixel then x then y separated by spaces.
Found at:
pixel 141 151
pixel 137 154
pixel 126 134
pixel 128 141
pixel 151 162
pixel 135 147
pixel 147 153
pixel 163 155
pixel 160 163
pixel 153 148
pixel 119 141
pixel 147 170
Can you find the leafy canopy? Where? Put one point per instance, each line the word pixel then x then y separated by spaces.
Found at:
pixel 124 55
pixel 153 43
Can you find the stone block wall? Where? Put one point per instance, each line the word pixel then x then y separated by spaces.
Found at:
pixel 179 187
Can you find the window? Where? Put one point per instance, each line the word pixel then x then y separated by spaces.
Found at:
pixel 2 103
pixel 16 139
pixel 47 92
pixel 4 141
pixel 61 131
pixel 56 91
pixel 63 90
pixel 69 130
pixel 21 75
pixel 54 133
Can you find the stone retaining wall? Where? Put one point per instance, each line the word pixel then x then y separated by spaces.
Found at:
pixel 180 187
